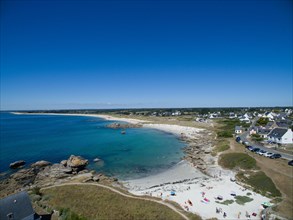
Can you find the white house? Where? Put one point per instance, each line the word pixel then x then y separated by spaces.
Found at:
pixel 281 136
pixel 244 118
pixel 269 115
pixel 238 129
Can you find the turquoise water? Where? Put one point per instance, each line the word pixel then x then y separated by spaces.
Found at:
pixel 138 153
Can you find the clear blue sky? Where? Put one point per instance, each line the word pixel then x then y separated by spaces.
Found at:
pixel 111 54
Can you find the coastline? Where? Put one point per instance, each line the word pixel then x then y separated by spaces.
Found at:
pixel 197 173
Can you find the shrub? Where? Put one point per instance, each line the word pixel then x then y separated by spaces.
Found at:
pixel 241 160
pixel 241 200
pixel 260 183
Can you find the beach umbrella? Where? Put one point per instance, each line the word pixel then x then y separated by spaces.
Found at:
pixel 173 193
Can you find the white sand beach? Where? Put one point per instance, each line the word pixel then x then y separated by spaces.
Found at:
pixel 202 191
pixel 189 132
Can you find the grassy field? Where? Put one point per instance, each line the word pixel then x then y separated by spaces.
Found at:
pixel 92 202
pixel 237 160
pixel 221 145
pixel 260 182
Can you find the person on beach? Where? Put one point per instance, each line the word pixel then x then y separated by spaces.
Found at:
pixel 203 194
pixel 239 214
pixel 224 215
pixel 217 210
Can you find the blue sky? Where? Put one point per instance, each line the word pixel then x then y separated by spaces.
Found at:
pixel 113 54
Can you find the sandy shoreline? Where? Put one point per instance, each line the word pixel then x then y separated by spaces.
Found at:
pixel 189 183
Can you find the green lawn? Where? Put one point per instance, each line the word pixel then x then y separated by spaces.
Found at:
pixel 92 202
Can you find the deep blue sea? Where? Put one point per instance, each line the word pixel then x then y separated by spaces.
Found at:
pixel 138 153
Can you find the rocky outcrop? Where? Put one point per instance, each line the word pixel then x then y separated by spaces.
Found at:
pixel 40 164
pixel 17 164
pixel 198 152
pixel 43 173
pixel 76 163
pixel 123 126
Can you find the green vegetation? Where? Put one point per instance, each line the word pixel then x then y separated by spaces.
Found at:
pixel 224 134
pixel 262 121
pixel 248 194
pixel 240 160
pixel 241 200
pixel 67 214
pixel 227 128
pixel 260 182
pixel 256 137
pixel 93 202
pixel 226 202
pixel 221 146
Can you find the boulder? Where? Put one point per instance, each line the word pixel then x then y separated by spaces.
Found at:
pixel 17 164
pixel 41 163
pixel 77 163
pixel 64 162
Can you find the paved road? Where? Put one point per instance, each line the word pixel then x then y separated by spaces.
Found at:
pixel 123 194
pixel 284 155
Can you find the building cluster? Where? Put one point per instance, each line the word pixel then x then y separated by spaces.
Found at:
pixel 277 129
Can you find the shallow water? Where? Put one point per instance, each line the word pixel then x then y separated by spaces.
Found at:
pixel 138 153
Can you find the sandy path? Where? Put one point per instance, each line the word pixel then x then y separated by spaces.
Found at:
pixel 121 193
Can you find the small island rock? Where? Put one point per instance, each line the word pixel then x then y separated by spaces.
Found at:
pixel 17 164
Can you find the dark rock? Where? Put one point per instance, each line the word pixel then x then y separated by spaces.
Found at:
pixel 126 125
pixel 17 164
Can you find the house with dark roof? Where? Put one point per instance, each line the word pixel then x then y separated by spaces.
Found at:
pixel 238 129
pixel 281 136
pixel 263 132
pixel 17 207
pixel 282 124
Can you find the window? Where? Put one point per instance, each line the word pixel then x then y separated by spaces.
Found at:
pixel 10 216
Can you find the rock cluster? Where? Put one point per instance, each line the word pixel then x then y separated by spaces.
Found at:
pixel 43 173
pixel 198 152
pixel 123 126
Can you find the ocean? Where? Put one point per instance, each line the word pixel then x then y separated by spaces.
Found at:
pixel 138 153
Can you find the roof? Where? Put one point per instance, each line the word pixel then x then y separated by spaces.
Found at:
pixel 263 131
pixel 238 128
pixel 282 124
pixel 277 132
pixel 19 205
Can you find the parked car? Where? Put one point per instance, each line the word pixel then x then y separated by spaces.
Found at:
pixel 255 150
pixel 261 152
pixel 268 154
pixel 238 139
pixel 245 143
pixel 250 148
pixel 276 156
pixel 290 163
